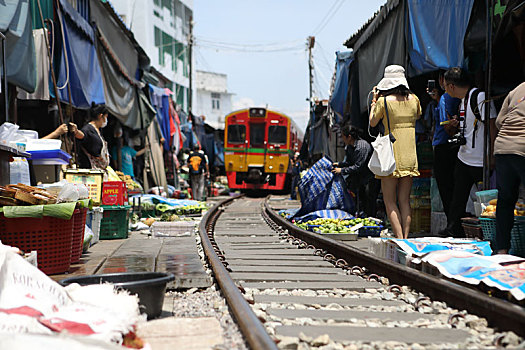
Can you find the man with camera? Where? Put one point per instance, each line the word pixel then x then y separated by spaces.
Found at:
pixel 445 153
pixel 470 138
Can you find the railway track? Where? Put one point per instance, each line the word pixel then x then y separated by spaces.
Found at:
pixel 288 288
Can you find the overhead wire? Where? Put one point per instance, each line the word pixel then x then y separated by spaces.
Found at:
pixel 326 19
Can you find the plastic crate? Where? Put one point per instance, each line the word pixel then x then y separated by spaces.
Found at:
pixel 517 235
pixel 91 178
pixel 49 236
pixel 370 231
pixel 93 219
pixel 423 202
pixel 77 242
pixel 472 228
pixel 421 218
pixel 172 228
pixel 115 222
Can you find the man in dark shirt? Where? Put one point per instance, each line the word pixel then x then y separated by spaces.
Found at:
pixel 354 168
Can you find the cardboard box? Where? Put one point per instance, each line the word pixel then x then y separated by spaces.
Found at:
pixel 114 193
pixel 91 178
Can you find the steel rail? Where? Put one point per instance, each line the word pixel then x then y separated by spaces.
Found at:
pixel 499 313
pixel 250 326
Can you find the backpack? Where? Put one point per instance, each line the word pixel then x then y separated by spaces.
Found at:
pixel 474 104
pixel 195 164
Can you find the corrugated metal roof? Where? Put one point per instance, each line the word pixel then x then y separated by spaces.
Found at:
pixel 366 31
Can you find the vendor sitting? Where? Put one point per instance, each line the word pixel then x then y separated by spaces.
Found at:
pixel 62 129
pixel 354 168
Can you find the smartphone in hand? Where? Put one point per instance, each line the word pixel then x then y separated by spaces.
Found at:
pixel 431 85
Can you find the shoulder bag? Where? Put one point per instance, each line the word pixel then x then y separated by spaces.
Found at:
pixel 382 162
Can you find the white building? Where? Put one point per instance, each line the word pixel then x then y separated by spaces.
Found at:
pixel 161 27
pixel 213 99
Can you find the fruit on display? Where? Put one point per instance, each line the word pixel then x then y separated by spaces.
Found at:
pixel 336 225
pixel 182 210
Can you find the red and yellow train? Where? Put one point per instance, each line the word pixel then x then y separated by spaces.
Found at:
pixel 258 148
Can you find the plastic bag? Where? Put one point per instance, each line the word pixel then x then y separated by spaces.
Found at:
pixel 68 193
pixel 83 191
pixel 7 131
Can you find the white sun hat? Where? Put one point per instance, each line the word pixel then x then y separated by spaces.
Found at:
pixel 394 77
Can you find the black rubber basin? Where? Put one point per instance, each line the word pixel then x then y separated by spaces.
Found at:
pixel 150 287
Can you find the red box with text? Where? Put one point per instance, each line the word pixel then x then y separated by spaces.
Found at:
pixel 114 193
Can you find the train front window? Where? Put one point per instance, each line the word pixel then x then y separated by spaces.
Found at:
pixel 257 134
pixel 236 134
pixel 277 135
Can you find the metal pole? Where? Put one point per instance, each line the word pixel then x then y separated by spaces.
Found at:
pixel 4 66
pixel 51 70
pixel 311 43
pixel 190 55
pixel 487 149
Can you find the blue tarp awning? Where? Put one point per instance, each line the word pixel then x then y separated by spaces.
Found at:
pixel 82 69
pixel 436 33
pixel 342 73
pixel 16 24
pixel 160 101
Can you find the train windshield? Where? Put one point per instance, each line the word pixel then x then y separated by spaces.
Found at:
pixel 277 135
pixel 257 134
pixel 236 133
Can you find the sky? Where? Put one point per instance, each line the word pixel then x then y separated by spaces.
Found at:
pixel 261 46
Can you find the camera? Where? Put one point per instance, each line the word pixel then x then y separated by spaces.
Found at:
pixel 458 140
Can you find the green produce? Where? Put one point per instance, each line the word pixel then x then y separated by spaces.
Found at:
pixel 334 225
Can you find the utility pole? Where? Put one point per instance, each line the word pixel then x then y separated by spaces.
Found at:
pixel 311 42
pixel 190 54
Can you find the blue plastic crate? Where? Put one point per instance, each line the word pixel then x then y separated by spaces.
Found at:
pixel 370 231
pixel 50 157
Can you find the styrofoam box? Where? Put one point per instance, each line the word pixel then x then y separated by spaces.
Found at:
pixel 93 219
pixel 172 228
pixel 43 144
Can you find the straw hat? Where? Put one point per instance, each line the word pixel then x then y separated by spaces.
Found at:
pixel 394 77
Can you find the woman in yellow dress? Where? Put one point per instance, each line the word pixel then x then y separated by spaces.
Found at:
pixel 403 111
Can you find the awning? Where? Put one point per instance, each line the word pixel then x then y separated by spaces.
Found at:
pixel 381 45
pixel 342 73
pixel 115 36
pixel 432 45
pixel 82 69
pixel 16 24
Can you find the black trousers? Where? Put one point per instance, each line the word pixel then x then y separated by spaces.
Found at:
pixel 366 194
pixel 464 177
pixel 510 172
pixel 445 157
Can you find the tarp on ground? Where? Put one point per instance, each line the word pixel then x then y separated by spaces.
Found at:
pixel 342 74
pixel 432 45
pixel 382 44
pixel 320 189
pixel 325 214
pixel 16 25
pixel 504 272
pixel 82 69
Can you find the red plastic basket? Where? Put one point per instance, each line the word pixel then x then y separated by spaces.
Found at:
pixel 49 236
pixel 79 224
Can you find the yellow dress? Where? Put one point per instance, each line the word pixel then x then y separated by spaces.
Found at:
pixel 402 115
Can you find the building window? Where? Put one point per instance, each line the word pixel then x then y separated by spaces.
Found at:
pixel 215 100
pixel 167 49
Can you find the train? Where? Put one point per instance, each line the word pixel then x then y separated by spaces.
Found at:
pixel 258 148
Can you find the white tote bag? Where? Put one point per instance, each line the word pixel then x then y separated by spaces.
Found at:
pixel 382 162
